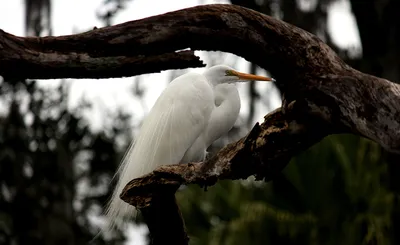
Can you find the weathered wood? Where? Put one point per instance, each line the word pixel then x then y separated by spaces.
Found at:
pixel 263 151
pixel 65 57
pixel 164 220
pixel 301 62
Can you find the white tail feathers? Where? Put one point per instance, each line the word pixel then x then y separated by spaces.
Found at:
pixel 140 159
pixel 117 208
pixel 154 146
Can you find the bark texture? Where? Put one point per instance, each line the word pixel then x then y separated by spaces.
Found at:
pixel 322 94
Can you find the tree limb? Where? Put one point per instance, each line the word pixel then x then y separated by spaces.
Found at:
pixel 39 60
pixel 263 152
pixel 266 147
pixel 302 63
pixel 323 95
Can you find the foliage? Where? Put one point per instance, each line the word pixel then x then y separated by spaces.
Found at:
pixel 330 194
pixel 54 171
pixel 46 154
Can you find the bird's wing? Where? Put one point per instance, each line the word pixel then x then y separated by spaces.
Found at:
pixel 177 119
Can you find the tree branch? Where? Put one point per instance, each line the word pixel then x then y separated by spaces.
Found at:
pixel 323 95
pixel 263 152
pixel 39 58
pixel 264 149
pixel 302 63
pixel 221 27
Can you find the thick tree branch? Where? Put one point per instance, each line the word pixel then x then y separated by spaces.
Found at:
pixel 221 27
pixel 37 58
pixel 323 95
pixel 263 152
pixel 303 64
pixel 264 149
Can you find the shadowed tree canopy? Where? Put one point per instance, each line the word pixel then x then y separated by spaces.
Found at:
pixel 322 94
pixel 47 153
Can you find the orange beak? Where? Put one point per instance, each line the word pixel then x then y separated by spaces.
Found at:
pixel 251 77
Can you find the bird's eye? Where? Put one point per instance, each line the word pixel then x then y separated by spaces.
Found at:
pixel 229 73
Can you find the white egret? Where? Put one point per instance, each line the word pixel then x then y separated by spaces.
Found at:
pixel 190 114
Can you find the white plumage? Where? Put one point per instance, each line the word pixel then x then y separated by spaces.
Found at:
pixel 190 114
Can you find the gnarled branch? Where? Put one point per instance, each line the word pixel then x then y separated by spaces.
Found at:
pixel 260 153
pixel 263 152
pixel 300 61
pixel 322 94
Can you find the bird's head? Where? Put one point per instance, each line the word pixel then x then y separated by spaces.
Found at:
pixel 224 74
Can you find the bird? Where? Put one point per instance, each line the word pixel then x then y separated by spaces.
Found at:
pixel 191 113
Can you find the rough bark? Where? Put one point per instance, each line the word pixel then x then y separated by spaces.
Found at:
pixel 381 58
pixel 322 94
pixel 265 148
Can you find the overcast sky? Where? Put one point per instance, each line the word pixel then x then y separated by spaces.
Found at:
pixel 80 15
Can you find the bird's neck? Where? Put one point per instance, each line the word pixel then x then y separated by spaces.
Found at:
pixel 225 113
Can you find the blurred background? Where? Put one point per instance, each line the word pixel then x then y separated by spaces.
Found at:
pixel 61 140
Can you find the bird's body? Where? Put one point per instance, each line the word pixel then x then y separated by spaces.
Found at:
pixel 190 114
